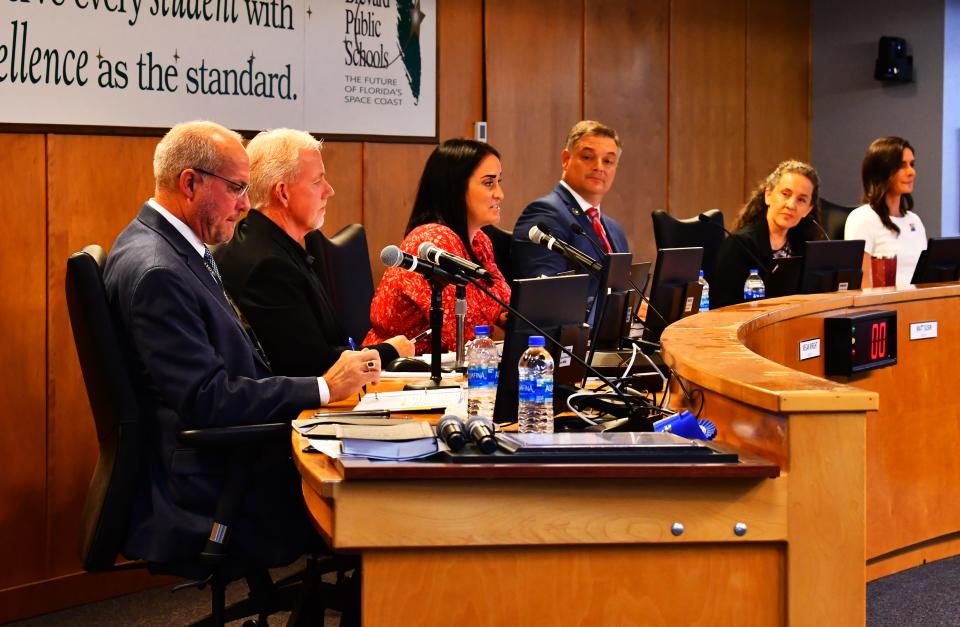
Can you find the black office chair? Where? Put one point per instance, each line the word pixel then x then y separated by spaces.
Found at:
pixel 834 218
pixel 345 268
pixel 501 239
pixel 116 479
pixel 670 232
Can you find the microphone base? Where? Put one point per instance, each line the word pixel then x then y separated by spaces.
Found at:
pixel 430 384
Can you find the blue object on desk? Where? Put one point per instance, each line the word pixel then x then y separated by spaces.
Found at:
pixel 686 425
pixel 352 344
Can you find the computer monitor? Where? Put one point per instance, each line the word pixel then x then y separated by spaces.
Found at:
pixel 832 265
pixel 675 291
pixel 612 312
pixel 555 304
pixel 940 262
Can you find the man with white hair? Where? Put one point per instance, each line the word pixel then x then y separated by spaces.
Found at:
pixel 267 269
pixel 195 366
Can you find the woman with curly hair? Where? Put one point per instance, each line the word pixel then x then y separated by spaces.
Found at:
pixel 772 225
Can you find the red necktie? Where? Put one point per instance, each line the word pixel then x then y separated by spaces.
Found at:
pixel 594 214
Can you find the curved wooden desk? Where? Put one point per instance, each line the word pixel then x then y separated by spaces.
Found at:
pixel 764 399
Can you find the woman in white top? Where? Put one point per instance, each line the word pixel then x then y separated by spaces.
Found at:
pixel 886 221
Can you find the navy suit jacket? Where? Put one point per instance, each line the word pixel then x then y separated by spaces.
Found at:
pixel 194 366
pixel 559 211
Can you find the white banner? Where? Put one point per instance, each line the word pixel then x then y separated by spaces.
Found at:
pixel 346 67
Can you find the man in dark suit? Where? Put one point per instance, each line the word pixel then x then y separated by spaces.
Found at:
pixel 589 161
pixel 195 366
pixel 267 269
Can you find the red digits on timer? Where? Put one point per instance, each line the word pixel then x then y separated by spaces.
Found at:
pixel 878 340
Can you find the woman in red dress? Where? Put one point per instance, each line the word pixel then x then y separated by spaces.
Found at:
pixel 459 193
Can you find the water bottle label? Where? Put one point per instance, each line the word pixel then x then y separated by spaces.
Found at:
pixel 536 390
pixel 476 376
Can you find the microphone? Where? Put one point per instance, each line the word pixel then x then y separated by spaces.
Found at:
pixel 481 432
pixel 393 257
pixel 450 430
pixel 579 230
pixel 760 263
pixel 820 228
pixel 451 263
pixel 540 234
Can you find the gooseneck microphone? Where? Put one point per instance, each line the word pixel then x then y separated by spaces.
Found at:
pixel 481 432
pixel 579 230
pixel 450 262
pixel 819 226
pixel 540 234
pixel 450 430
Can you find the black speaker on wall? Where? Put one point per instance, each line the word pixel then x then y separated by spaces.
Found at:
pixel 893 64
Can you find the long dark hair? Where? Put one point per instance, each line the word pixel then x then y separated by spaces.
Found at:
pixel 442 195
pixel 883 159
pixel 756 208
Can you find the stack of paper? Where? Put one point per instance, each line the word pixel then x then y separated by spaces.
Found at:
pixel 383 439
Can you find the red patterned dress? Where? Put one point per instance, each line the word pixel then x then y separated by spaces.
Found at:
pixel 401 305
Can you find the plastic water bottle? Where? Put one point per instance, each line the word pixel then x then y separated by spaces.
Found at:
pixel 753 288
pixel 482 370
pixel 704 294
pixel 535 409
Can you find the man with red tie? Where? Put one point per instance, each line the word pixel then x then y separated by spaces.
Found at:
pixel 572 211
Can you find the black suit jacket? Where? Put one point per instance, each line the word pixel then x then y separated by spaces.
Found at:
pixel 749 248
pixel 194 366
pixel 275 283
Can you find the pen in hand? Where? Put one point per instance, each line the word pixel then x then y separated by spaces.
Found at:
pixel 420 335
pixel 353 347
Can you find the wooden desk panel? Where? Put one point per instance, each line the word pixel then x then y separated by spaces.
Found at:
pixel 912 509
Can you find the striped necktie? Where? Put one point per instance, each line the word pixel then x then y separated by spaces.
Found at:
pixel 594 214
pixel 214 271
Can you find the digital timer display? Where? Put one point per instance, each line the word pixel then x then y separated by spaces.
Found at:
pixel 859 342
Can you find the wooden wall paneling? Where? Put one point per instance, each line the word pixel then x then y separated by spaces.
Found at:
pixel 625 56
pixel 777 86
pixel 96 186
pixel 22 383
pixel 460 67
pixel 706 107
pixel 534 88
pixel 391 173
pixel 342 161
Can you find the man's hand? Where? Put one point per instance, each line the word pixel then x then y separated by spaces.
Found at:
pixel 353 370
pixel 405 348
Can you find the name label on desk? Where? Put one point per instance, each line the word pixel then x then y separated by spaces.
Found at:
pixel 565 357
pixel 809 349
pixel 688 306
pixel 923 330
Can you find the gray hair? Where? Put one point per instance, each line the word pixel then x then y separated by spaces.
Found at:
pixel 275 157
pixel 591 127
pixel 195 144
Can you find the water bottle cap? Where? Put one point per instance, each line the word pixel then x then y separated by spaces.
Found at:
pixel 536 340
pixel 481 329
pixel 701 274
pixel 753 271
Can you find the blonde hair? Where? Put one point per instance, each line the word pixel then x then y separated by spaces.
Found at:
pixel 275 157
pixel 591 127
pixel 196 144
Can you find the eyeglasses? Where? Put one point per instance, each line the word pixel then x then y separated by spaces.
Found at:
pixel 237 189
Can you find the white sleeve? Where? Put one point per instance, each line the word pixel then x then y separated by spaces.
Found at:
pixel 861 225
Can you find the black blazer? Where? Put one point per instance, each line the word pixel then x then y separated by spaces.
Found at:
pixel 194 366
pixel 277 286
pixel 734 261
